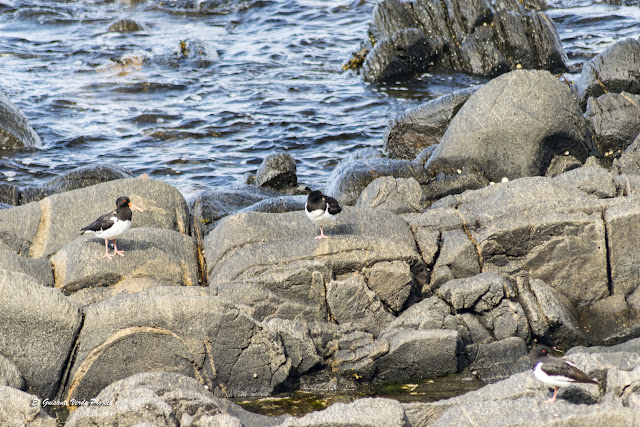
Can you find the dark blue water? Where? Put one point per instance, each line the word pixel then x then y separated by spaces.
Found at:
pixel 269 79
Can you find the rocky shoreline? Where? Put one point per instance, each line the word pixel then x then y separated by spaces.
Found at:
pixel 499 217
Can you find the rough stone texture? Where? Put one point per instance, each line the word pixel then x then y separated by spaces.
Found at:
pixel 78 178
pixel 41 228
pixel 362 412
pixel 480 293
pixel 500 359
pixel 351 301
pixel 15 130
pixel 623 230
pixel 458 258
pixel 201 336
pixel 277 171
pixel 10 375
pixel 448 181
pixel 39 268
pixel 397 195
pixel 125 26
pixel 629 161
pixel 592 180
pixel 17 409
pixel 391 281
pixel 166 399
pixel 38 326
pixel 280 204
pixel 297 342
pixel 409 37
pixel 411 132
pixel 278 252
pixel 614 120
pixel 494 130
pixel 614 70
pixel 422 353
pixel 351 177
pixel 163 256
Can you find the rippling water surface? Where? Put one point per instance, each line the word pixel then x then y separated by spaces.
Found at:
pixel 266 77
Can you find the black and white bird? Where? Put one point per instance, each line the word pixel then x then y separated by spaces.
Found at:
pixel 322 210
pixel 556 372
pixel 112 225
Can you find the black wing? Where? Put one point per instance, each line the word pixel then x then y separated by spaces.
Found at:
pixel 334 206
pixel 102 223
pixel 555 366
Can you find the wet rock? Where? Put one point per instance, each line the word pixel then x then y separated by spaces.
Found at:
pixel 409 37
pixel 15 130
pixel 163 398
pixel 202 336
pixel 17 409
pixel 10 376
pixel 613 70
pixel 40 269
pixel 278 252
pixel 277 171
pixel 165 257
pixel 422 158
pixel 397 195
pixel 391 281
pixel 362 412
pixel 351 177
pixel 41 228
pixel 505 106
pixel 614 120
pixel 629 161
pixel 422 353
pixel 126 26
pixel 351 301
pixel 592 180
pixel 38 326
pixel 9 195
pixel 78 178
pixel 411 132
pixel 356 354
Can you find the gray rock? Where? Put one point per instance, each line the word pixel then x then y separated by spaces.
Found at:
pixel 480 293
pixel 397 195
pixel 126 26
pixel 277 171
pixel 613 70
pixel 614 121
pixel 458 258
pixel 18 409
pixel 278 251
pixel 505 106
pixel 351 301
pixel 356 354
pixel 297 342
pixel 280 204
pixel 41 228
pixel 592 180
pixel 411 132
pixel 38 326
pixel 351 177
pixel 391 281
pixel 9 195
pixel 201 336
pixel 78 178
pixel 430 313
pixel 629 161
pixel 10 376
pixel 422 353
pixel 500 359
pixel 447 181
pixel 165 257
pixel 163 398
pixel 622 231
pixel 372 412
pixel 15 130
pixel 39 268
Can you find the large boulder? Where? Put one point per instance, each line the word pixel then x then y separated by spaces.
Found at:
pixel 38 327
pixel 397 195
pixel 15 130
pixel 20 409
pixel 41 228
pixel 614 70
pixel 277 171
pixel 494 130
pixel 40 269
pixel 477 37
pixel 201 336
pixel 614 120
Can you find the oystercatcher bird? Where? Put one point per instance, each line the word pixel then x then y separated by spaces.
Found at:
pixel 112 225
pixel 322 210
pixel 556 372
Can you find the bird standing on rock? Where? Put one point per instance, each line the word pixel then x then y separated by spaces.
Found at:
pixel 112 225
pixel 556 372
pixel 322 210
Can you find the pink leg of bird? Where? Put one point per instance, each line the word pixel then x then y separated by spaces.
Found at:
pixel 115 249
pixel 553 399
pixel 321 236
pixel 106 250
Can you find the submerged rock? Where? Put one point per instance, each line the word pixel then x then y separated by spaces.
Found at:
pixel 15 130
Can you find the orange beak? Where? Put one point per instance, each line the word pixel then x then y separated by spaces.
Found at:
pixel 132 206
